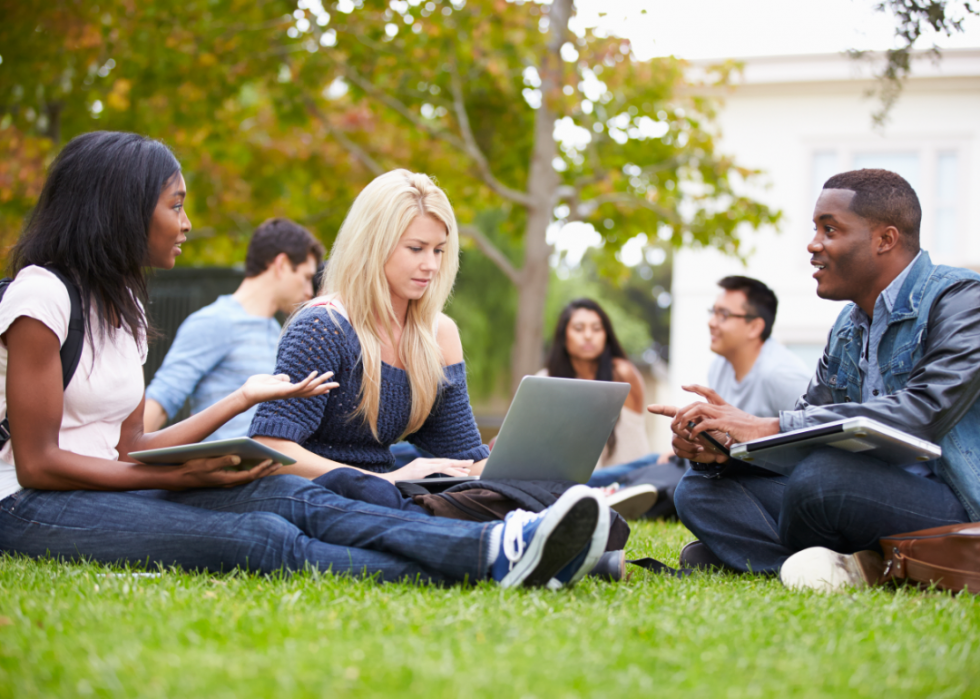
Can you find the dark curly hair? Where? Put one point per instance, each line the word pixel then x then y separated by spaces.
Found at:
pixel 883 197
pixel 278 235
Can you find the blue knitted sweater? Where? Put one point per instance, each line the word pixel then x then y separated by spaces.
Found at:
pixel 324 425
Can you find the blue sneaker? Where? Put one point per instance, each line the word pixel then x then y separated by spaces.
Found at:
pixel 534 547
pixel 587 558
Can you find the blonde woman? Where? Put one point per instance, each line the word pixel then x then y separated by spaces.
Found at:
pixel 378 325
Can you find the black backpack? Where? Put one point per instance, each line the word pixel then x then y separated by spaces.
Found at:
pixel 71 351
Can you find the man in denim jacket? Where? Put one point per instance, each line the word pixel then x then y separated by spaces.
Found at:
pixel 905 352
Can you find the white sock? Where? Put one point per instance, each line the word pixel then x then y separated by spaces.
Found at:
pixel 494 544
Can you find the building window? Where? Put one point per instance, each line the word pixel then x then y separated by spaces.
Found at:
pixel 946 233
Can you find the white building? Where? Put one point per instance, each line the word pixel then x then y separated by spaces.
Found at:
pixel 802 119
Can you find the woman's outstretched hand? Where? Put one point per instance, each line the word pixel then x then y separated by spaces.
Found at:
pixel 420 468
pixel 263 387
pixel 215 473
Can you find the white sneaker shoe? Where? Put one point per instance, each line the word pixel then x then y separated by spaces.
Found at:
pixel 824 570
pixel 634 501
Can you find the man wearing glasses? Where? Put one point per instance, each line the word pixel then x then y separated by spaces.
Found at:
pixel 752 371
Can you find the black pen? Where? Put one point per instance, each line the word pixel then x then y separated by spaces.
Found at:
pixel 711 440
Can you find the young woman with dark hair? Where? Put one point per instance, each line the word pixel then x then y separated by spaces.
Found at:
pixel 112 206
pixel 585 346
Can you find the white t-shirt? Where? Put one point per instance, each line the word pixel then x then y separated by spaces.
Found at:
pixel 775 382
pixel 107 385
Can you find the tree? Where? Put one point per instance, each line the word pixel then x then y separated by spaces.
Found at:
pixel 287 108
pixel 913 17
pixel 553 126
pixel 203 77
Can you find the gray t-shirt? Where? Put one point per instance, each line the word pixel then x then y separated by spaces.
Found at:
pixel 777 379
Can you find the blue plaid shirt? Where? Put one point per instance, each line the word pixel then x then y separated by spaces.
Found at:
pixel 216 349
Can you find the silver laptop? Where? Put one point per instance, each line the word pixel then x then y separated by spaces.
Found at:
pixel 555 429
pixel 863 435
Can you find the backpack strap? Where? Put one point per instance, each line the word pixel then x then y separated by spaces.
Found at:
pixel 71 350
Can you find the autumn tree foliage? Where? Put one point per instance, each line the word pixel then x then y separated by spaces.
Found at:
pixel 203 77
pixel 289 108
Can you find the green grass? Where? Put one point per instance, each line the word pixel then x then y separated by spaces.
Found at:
pixel 73 630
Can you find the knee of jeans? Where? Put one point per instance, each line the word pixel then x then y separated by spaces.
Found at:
pixel 265 528
pixel 339 478
pixel 287 484
pixel 271 541
pixel 688 495
pixel 818 473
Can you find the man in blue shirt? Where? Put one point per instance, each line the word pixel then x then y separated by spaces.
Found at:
pixel 218 347
pixel 905 352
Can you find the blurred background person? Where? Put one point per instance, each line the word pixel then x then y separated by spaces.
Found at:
pixel 585 347
pixel 218 347
pixel 752 371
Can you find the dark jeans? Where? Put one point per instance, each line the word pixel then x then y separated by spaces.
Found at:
pixel 753 519
pixel 357 485
pixel 275 523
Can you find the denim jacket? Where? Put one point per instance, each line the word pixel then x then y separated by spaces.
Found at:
pixel 929 359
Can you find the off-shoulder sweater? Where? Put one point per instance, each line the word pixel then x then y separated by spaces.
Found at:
pixel 325 425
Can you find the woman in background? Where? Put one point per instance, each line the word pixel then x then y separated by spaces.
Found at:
pixel 585 346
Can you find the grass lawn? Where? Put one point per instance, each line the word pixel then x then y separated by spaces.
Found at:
pixel 87 630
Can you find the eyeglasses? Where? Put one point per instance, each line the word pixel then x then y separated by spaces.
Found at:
pixel 724 314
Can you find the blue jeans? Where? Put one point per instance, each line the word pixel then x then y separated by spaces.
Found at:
pixel 357 485
pixel 607 476
pixel 274 523
pixel 753 519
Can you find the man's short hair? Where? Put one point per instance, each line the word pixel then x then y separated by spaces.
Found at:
pixel 883 197
pixel 279 235
pixel 759 298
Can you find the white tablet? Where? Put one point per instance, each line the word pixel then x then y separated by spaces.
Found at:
pixel 781 452
pixel 251 452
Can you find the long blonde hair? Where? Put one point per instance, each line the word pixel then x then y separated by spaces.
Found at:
pixel 355 273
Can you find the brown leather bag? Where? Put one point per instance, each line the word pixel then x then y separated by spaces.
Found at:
pixel 947 557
